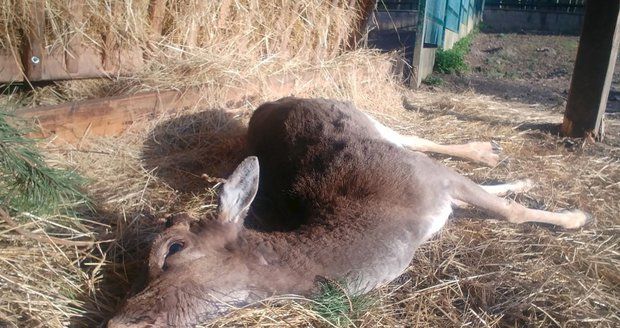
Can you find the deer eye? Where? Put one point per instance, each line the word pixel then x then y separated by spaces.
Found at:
pixel 174 248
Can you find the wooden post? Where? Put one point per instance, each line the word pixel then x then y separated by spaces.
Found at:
pixel 111 53
pixel 72 56
pixel 594 67
pixel 33 56
pixel 157 10
pixel 418 58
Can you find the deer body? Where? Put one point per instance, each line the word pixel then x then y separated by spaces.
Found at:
pixel 340 197
pixel 353 205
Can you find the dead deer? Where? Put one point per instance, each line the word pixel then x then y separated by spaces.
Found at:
pixel 342 198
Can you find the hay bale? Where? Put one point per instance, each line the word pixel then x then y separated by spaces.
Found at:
pixel 127 36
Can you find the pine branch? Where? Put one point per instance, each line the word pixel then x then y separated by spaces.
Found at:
pixel 27 183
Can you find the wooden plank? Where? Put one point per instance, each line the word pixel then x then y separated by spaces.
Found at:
pixel 10 68
pixel 103 117
pixel 594 67
pixel 157 9
pixel 113 115
pixel 78 61
pixel 89 63
pixel 33 57
pixel 72 56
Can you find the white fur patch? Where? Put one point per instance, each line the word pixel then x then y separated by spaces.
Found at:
pixel 439 218
pixel 387 133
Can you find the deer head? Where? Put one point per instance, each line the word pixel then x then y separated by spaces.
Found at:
pixel 197 268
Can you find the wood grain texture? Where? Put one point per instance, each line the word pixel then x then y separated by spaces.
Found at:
pixel 33 53
pixel 594 68
pixel 157 10
pixel 113 115
pixel 10 67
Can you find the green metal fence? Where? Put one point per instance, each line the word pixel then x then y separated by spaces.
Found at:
pixel 442 15
pixel 453 11
pixel 464 11
pixel 550 5
pixel 434 21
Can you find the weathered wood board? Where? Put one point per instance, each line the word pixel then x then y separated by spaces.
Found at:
pixel 112 115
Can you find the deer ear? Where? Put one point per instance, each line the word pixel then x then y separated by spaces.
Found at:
pixel 239 191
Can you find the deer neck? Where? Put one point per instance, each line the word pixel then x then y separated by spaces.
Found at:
pixel 279 264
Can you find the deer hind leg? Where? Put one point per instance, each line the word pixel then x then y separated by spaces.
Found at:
pixel 466 191
pixel 484 152
pixel 505 188
pixel 518 186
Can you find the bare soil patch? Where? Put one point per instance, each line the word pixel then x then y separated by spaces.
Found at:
pixel 528 68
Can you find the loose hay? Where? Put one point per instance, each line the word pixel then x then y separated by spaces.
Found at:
pixel 479 273
pixel 475 272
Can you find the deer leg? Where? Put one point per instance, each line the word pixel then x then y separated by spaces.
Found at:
pixel 502 189
pixel 466 191
pixel 505 188
pixel 484 152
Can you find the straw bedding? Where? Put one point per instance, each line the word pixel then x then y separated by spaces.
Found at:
pixel 478 271
pixel 475 272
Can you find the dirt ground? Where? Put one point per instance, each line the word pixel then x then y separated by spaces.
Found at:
pixel 531 69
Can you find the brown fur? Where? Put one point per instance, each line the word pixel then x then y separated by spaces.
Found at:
pixel 335 200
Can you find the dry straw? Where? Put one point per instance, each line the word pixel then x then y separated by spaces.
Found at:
pixel 484 273
pixel 207 43
pixel 478 272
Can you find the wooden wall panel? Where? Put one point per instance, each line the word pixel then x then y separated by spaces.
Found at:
pixel 10 67
pixel 37 62
pixel 33 54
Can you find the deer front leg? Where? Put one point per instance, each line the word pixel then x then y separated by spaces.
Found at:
pixel 483 152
